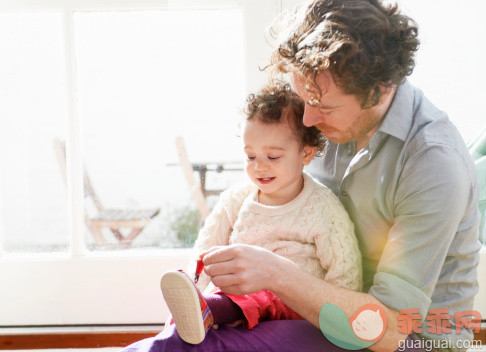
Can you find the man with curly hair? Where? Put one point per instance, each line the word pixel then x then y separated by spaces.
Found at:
pixel 397 163
pixel 400 168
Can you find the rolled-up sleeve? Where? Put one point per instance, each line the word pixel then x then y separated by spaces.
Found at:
pixel 432 194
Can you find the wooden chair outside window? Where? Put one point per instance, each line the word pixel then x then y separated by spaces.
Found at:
pixel 195 189
pixel 109 218
pixel 199 192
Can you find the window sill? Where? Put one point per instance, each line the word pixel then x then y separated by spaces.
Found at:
pixel 16 338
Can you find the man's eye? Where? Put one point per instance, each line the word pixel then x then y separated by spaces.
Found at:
pixel 325 112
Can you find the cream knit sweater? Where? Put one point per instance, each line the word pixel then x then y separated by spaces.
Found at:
pixel 313 230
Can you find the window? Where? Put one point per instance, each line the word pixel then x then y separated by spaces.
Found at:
pixel 146 77
pixel 32 61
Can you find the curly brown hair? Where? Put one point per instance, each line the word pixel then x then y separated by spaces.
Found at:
pixel 268 106
pixel 362 43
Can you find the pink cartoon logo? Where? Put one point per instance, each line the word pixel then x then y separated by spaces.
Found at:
pixel 369 322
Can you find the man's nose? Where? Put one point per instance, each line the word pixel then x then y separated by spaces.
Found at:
pixel 312 116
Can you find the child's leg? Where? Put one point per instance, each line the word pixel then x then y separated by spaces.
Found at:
pixel 263 305
pixel 224 310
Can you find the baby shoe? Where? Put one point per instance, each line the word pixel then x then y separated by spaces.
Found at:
pixel 190 312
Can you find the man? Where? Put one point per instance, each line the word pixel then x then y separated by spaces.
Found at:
pixel 398 165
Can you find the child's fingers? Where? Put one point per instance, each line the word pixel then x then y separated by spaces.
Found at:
pixel 236 323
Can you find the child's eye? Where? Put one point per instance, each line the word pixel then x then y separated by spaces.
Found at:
pixel 250 157
pixel 273 157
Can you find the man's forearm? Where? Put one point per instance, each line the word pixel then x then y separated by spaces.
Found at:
pixel 306 294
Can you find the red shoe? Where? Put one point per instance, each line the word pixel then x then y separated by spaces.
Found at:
pixel 190 312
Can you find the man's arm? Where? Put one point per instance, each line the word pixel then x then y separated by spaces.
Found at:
pixel 242 269
pixel 306 295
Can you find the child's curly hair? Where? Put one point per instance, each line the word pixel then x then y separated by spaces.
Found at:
pixel 268 106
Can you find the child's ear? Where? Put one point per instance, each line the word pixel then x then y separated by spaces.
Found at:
pixel 309 153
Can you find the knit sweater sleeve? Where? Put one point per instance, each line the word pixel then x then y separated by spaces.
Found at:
pixel 337 246
pixel 217 229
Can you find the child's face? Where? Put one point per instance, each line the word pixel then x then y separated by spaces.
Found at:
pixel 275 160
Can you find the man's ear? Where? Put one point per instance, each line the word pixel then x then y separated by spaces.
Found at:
pixel 309 153
pixel 386 90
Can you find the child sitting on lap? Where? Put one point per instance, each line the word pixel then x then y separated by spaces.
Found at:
pixel 283 209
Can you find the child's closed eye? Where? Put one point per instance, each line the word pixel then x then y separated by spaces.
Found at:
pixel 273 157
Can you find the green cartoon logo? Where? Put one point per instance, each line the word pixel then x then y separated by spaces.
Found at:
pixel 366 326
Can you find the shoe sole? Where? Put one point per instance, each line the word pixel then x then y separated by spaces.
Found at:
pixel 183 301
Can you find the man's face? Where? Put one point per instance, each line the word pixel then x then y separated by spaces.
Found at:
pixel 337 115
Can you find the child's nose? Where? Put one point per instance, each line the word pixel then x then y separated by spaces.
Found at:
pixel 261 166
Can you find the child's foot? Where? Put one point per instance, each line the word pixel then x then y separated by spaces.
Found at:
pixel 189 310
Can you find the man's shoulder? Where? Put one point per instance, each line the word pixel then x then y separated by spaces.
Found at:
pixel 431 128
pixel 434 143
pixel 418 122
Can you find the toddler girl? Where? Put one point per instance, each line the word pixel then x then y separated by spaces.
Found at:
pixel 283 209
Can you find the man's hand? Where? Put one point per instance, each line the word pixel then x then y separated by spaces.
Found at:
pixel 241 269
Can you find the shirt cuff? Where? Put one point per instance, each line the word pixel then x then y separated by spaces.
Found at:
pixel 399 294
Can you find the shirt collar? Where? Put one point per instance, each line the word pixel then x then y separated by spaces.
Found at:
pixel 398 120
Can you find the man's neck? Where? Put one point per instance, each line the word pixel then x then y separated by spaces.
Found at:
pixel 380 112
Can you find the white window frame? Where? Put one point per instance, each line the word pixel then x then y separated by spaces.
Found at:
pixel 82 287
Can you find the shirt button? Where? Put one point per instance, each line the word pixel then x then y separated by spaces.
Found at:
pixel 344 193
pixel 349 150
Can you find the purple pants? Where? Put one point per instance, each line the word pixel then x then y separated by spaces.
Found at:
pixel 267 336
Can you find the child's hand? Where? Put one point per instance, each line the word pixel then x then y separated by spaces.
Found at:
pixel 232 325
pixel 236 323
